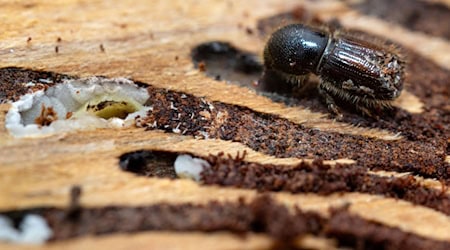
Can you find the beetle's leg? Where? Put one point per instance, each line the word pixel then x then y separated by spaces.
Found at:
pixel 302 87
pixel 294 80
pixel 329 100
pixel 371 109
pixel 272 81
pixel 365 111
pixel 349 86
pixel 303 83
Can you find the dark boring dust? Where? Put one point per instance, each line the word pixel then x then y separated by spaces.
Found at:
pixel 303 178
pixel 427 17
pixel 190 115
pixel 237 217
pixel 354 231
pixel 15 82
pixel 261 215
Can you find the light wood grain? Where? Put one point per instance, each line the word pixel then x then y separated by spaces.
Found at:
pixel 141 40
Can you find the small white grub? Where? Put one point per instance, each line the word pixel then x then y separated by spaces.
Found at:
pixel 32 230
pixel 78 104
pixel 7 230
pixel 35 229
pixel 190 168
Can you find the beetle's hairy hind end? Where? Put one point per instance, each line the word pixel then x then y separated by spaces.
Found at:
pixel 363 104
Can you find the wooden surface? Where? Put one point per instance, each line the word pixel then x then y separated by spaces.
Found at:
pixel 141 40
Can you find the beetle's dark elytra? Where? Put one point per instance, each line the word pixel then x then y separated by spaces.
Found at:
pixel 368 74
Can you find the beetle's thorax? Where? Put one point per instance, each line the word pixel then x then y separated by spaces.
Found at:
pixel 296 49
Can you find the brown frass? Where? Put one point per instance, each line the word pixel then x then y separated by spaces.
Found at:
pixel 13 81
pixel 239 217
pixel 261 215
pixel 322 179
pixel 314 177
pixel 351 230
pixel 279 137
